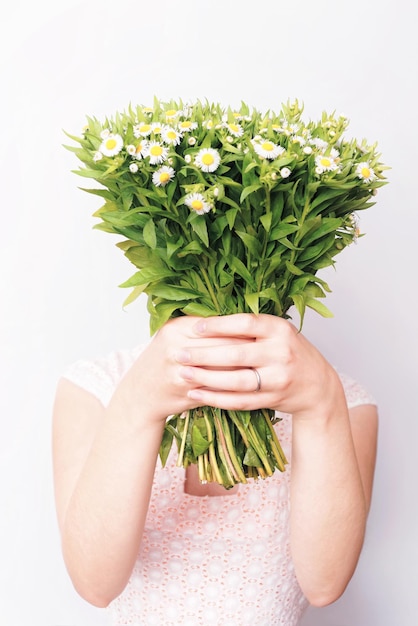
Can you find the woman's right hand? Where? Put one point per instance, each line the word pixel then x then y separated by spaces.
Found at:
pixel 154 382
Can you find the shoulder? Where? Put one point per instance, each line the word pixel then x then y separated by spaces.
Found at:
pixel 99 376
pixel 356 394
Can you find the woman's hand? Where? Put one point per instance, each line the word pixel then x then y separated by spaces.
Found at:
pixel 219 369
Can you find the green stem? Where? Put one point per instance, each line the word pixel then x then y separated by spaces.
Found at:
pixel 211 450
pixel 210 289
pixel 276 448
pixel 183 439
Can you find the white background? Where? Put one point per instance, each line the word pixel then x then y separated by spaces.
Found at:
pixel 59 291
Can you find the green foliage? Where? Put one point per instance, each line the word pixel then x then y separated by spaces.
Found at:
pixel 227 211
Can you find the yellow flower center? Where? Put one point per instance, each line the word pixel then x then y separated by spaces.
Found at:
pixel 170 113
pixel 111 144
pixel 268 146
pixel 234 128
pixel 164 177
pixel 365 172
pixel 157 129
pixel 172 134
pixel 185 125
pixel 197 205
pixel 156 150
pixel 209 124
pixel 275 127
pixel 325 162
pixel 144 128
pixel 138 148
pixel 208 159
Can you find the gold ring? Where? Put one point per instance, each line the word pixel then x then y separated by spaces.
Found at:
pixel 258 377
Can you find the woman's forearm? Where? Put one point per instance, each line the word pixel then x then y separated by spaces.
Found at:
pixel 105 517
pixel 328 504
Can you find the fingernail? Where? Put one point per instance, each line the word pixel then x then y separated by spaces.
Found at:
pixel 194 394
pixel 186 373
pixel 183 356
pixel 200 326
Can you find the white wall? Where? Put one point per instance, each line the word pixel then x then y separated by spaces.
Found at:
pixel 59 294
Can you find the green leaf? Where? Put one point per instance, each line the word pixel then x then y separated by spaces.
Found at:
pixel 282 230
pixel 165 447
pixel 198 223
pixel 253 300
pixel 195 308
pixel 135 293
pixel 238 267
pixel 251 458
pixel 299 302
pixel 319 307
pixel 249 190
pixel 199 443
pixel 266 220
pixel 293 269
pixel 149 234
pixel 172 292
pixel 147 275
pixel 252 244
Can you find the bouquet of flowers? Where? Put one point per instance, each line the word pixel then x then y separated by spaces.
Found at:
pixel 224 211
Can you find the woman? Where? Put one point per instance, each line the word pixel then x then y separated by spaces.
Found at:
pixel 160 548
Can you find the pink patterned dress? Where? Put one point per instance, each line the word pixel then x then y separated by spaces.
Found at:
pixel 213 560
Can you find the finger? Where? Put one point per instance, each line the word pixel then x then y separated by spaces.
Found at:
pixel 232 355
pixel 241 380
pixel 230 401
pixel 242 325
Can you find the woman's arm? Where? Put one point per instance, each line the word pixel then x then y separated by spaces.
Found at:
pixel 104 462
pixel 334 449
pixel 333 457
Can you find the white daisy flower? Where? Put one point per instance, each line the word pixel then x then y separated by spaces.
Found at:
pixel 299 139
pixel 319 143
pixel 156 128
pixel 188 158
pixel 267 149
pixel 198 203
pixel 285 172
pixel 209 124
pixel 325 163
pixel 191 141
pixel 307 150
pixel 156 152
pixel 235 129
pixel 133 168
pixel 171 135
pixel 162 176
pixel 111 145
pixel 208 159
pixel 171 114
pixel 186 125
pixel 334 153
pixel 277 128
pixel 131 149
pixel 365 172
pixel 142 130
pixel 105 133
pixel 141 149
pixel 98 156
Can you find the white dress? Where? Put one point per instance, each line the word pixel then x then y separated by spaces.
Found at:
pixel 213 560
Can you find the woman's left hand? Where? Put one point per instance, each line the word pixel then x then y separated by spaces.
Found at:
pixel 292 373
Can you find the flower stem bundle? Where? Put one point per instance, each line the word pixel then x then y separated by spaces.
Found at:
pixel 223 211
